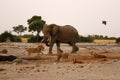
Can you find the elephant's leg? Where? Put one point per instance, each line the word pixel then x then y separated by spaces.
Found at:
pixel 51 46
pixel 74 47
pixel 58 48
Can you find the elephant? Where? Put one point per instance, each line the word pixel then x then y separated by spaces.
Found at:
pixel 60 34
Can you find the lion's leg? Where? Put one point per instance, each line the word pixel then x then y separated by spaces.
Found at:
pixel 29 53
pixel 42 52
pixel 38 53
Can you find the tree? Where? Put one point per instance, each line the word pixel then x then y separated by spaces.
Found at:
pixel 118 40
pixel 19 29
pixel 36 24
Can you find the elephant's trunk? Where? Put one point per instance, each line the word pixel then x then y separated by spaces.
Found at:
pixel 46 41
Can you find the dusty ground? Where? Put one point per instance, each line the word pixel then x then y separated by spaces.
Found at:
pixel 79 66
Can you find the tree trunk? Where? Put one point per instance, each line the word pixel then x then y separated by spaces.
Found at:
pixel 37 36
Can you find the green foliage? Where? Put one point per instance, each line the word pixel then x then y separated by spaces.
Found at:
pixel 27 35
pixel 17 39
pixel 90 38
pixel 33 39
pixel 102 37
pixel 34 18
pixel 35 23
pixel 118 40
pixel 6 34
pixel 19 29
pixel 85 39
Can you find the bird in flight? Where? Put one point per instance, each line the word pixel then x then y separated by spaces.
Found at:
pixel 104 22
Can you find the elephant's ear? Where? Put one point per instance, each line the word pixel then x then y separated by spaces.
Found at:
pixel 54 29
pixel 44 28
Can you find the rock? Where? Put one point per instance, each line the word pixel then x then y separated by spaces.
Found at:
pixel 7 58
pixel 18 61
pixel 1 69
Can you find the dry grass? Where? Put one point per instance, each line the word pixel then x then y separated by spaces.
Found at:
pixel 104 41
pixel 24 39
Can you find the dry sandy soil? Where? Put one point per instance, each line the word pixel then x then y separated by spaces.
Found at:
pixel 79 66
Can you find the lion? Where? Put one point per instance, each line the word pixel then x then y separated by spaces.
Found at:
pixel 37 50
pixel 4 51
pixel 62 56
pixel 95 55
pixel 74 61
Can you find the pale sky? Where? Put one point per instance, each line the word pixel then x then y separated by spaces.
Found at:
pixel 85 15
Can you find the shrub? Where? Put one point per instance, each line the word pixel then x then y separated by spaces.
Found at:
pixel 27 35
pixel 17 39
pixel 6 34
pixel 85 39
pixel 33 39
pixel 118 40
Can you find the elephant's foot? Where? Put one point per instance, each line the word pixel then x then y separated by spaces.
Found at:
pixel 59 51
pixel 75 50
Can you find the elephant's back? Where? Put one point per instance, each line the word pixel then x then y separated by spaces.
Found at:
pixel 67 33
pixel 69 29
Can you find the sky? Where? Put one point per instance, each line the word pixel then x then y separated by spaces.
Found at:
pixel 85 15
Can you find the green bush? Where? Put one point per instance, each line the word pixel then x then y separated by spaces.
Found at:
pixel 17 39
pixel 85 39
pixel 33 39
pixel 27 35
pixel 6 34
pixel 118 40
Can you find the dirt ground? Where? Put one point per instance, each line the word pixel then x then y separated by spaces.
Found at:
pixel 91 62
